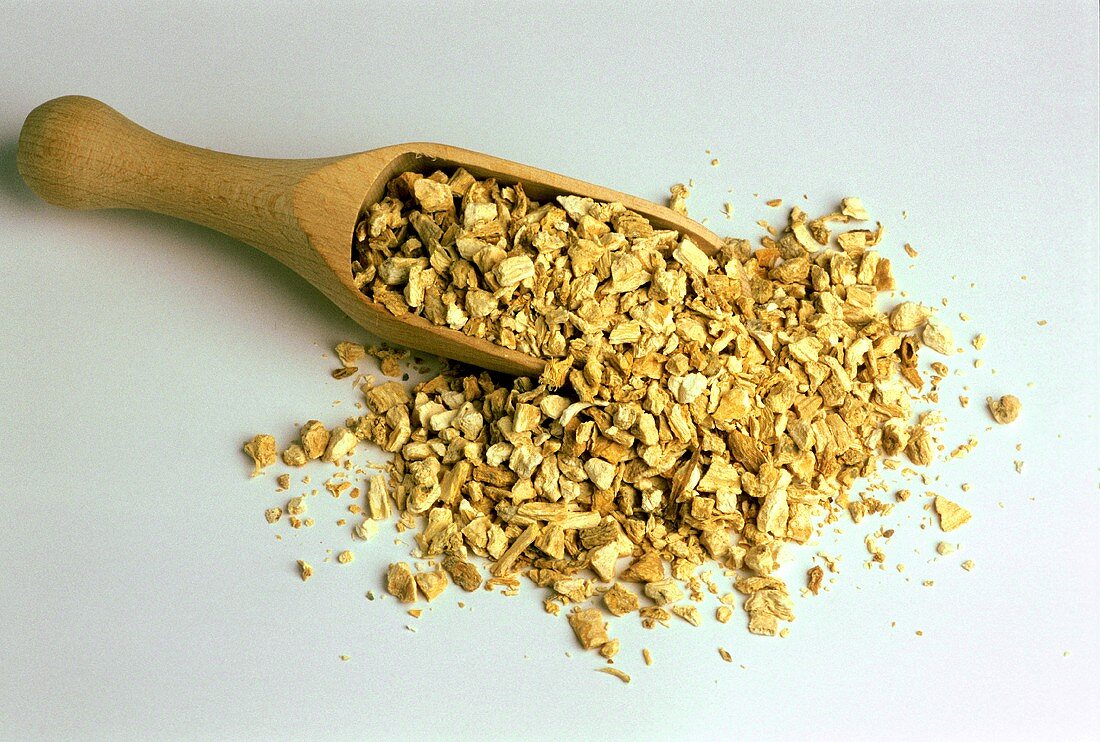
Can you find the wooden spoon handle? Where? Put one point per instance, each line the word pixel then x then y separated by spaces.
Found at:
pixel 80 153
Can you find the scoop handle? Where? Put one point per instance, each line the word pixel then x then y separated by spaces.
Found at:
pixel 80 153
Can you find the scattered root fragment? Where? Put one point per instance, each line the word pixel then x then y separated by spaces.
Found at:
pixel 261 449
pixel 938 337
pixel 952 515
pixel 678 198
pixel 813 579
pixel 314 439
pixel 305 570
pixel 400 583
pixel 609 649
pixel 349 353
pixel 1004 410
pixel 464 574
pixel 688 612
pixel 619 601
pixel 341 442
pixel 614 671
pixel 432 584
pixel 294 455
pixel 589 626
pixel 853 208
pixel 365 530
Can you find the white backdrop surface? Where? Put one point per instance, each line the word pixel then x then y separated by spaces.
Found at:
pixel 143 596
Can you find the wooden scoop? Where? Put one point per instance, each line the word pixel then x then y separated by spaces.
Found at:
pixel 80 153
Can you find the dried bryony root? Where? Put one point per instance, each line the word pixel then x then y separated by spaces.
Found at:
pixel 695 408
pixel 1004 410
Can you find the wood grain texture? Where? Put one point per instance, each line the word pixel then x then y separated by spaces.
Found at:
pixel 80 153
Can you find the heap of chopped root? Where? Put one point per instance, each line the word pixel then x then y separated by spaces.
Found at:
pixel 695 408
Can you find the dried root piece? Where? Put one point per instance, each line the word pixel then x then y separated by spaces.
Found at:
pixel 852 208
pixel 261 449
pixel 365 530
pixel 349 353
pixel 937 337
pixel 919 448
pixel 341 442
pixel 305 570
pixel 378 500
pixel 614 672
pixel 688 612
pixel 766 608
pixel 646 568
pixel 1004 410
pixel 295 455
pixel 678 196
pixel 908 316
pixel 813 579
pixel 432 584
pixel 400 583
pixel 663 592
pixel 620 601
pixel 314 437
pixel 589 626
pixel 952 515
pixel 610 649
pixel 464 574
